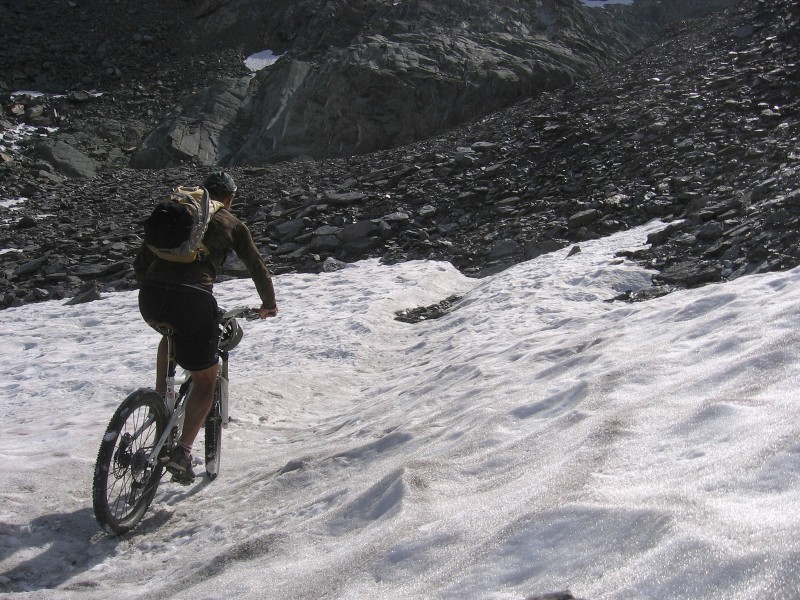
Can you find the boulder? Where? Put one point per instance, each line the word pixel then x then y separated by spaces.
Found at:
pixel 201 129
pixel 67 159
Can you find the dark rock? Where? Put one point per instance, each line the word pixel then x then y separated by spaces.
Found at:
pixel 26 222
pixel 330 265
pixel 343 198
pixel 358 231
pixel 583 218
pixel 288 230
pixel 689 274
pixel 504 249
pixel 31 266
pixel 88 295
pixel 709 231
pixel 68 160
pixel 424 313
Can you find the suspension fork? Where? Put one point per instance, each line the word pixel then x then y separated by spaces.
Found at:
pixel 170 395
pixel 222 377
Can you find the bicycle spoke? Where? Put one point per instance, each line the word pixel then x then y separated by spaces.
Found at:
pixel 128 482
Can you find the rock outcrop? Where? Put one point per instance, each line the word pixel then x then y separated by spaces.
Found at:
pixel 388 74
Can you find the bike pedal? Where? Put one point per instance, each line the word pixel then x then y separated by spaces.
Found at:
pixel 163 455
pixel 182 480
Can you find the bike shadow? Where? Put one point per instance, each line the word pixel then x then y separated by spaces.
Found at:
pixel 60 546
pixel 68 545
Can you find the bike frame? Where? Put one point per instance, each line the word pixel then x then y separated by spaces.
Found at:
pixel 176 410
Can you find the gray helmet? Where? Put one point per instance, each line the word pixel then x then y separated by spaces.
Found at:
pixel 220 184
pixel 231 336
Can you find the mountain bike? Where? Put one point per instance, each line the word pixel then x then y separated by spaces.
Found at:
pixel 146 426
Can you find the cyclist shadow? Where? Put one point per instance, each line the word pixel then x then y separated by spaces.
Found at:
pixel 68 544
pixel 170 493
pixel 72 543
pixel 174 492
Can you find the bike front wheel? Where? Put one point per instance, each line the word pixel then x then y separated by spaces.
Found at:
pixel 125 481
pixel 214 436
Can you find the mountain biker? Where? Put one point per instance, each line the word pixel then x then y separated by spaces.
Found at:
pixel 180 294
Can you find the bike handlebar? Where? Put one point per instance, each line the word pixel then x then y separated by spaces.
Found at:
pixel 244 312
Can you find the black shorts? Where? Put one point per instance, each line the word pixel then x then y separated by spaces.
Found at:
pixel 192 312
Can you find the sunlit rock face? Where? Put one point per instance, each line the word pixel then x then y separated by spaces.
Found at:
pixel 359 76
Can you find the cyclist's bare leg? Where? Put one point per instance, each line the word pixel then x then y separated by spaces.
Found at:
pixel 199 402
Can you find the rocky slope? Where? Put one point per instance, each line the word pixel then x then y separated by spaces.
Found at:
pixel 389 73
pixel 699 128
pixel 355 75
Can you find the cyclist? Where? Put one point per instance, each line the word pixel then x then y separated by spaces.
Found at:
pixel 180 294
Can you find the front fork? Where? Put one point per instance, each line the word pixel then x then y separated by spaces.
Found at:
pixel 170 395
pixel 223 388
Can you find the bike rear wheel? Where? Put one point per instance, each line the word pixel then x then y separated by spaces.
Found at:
pixel 124 482
pixel 213 433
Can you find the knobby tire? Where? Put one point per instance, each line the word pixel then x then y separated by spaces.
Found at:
pixel 124 484
pixel 213 434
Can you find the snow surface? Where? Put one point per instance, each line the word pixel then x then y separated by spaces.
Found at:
pixel 12 137
pixel 537 438
pixel 261 60
pixel 8 208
